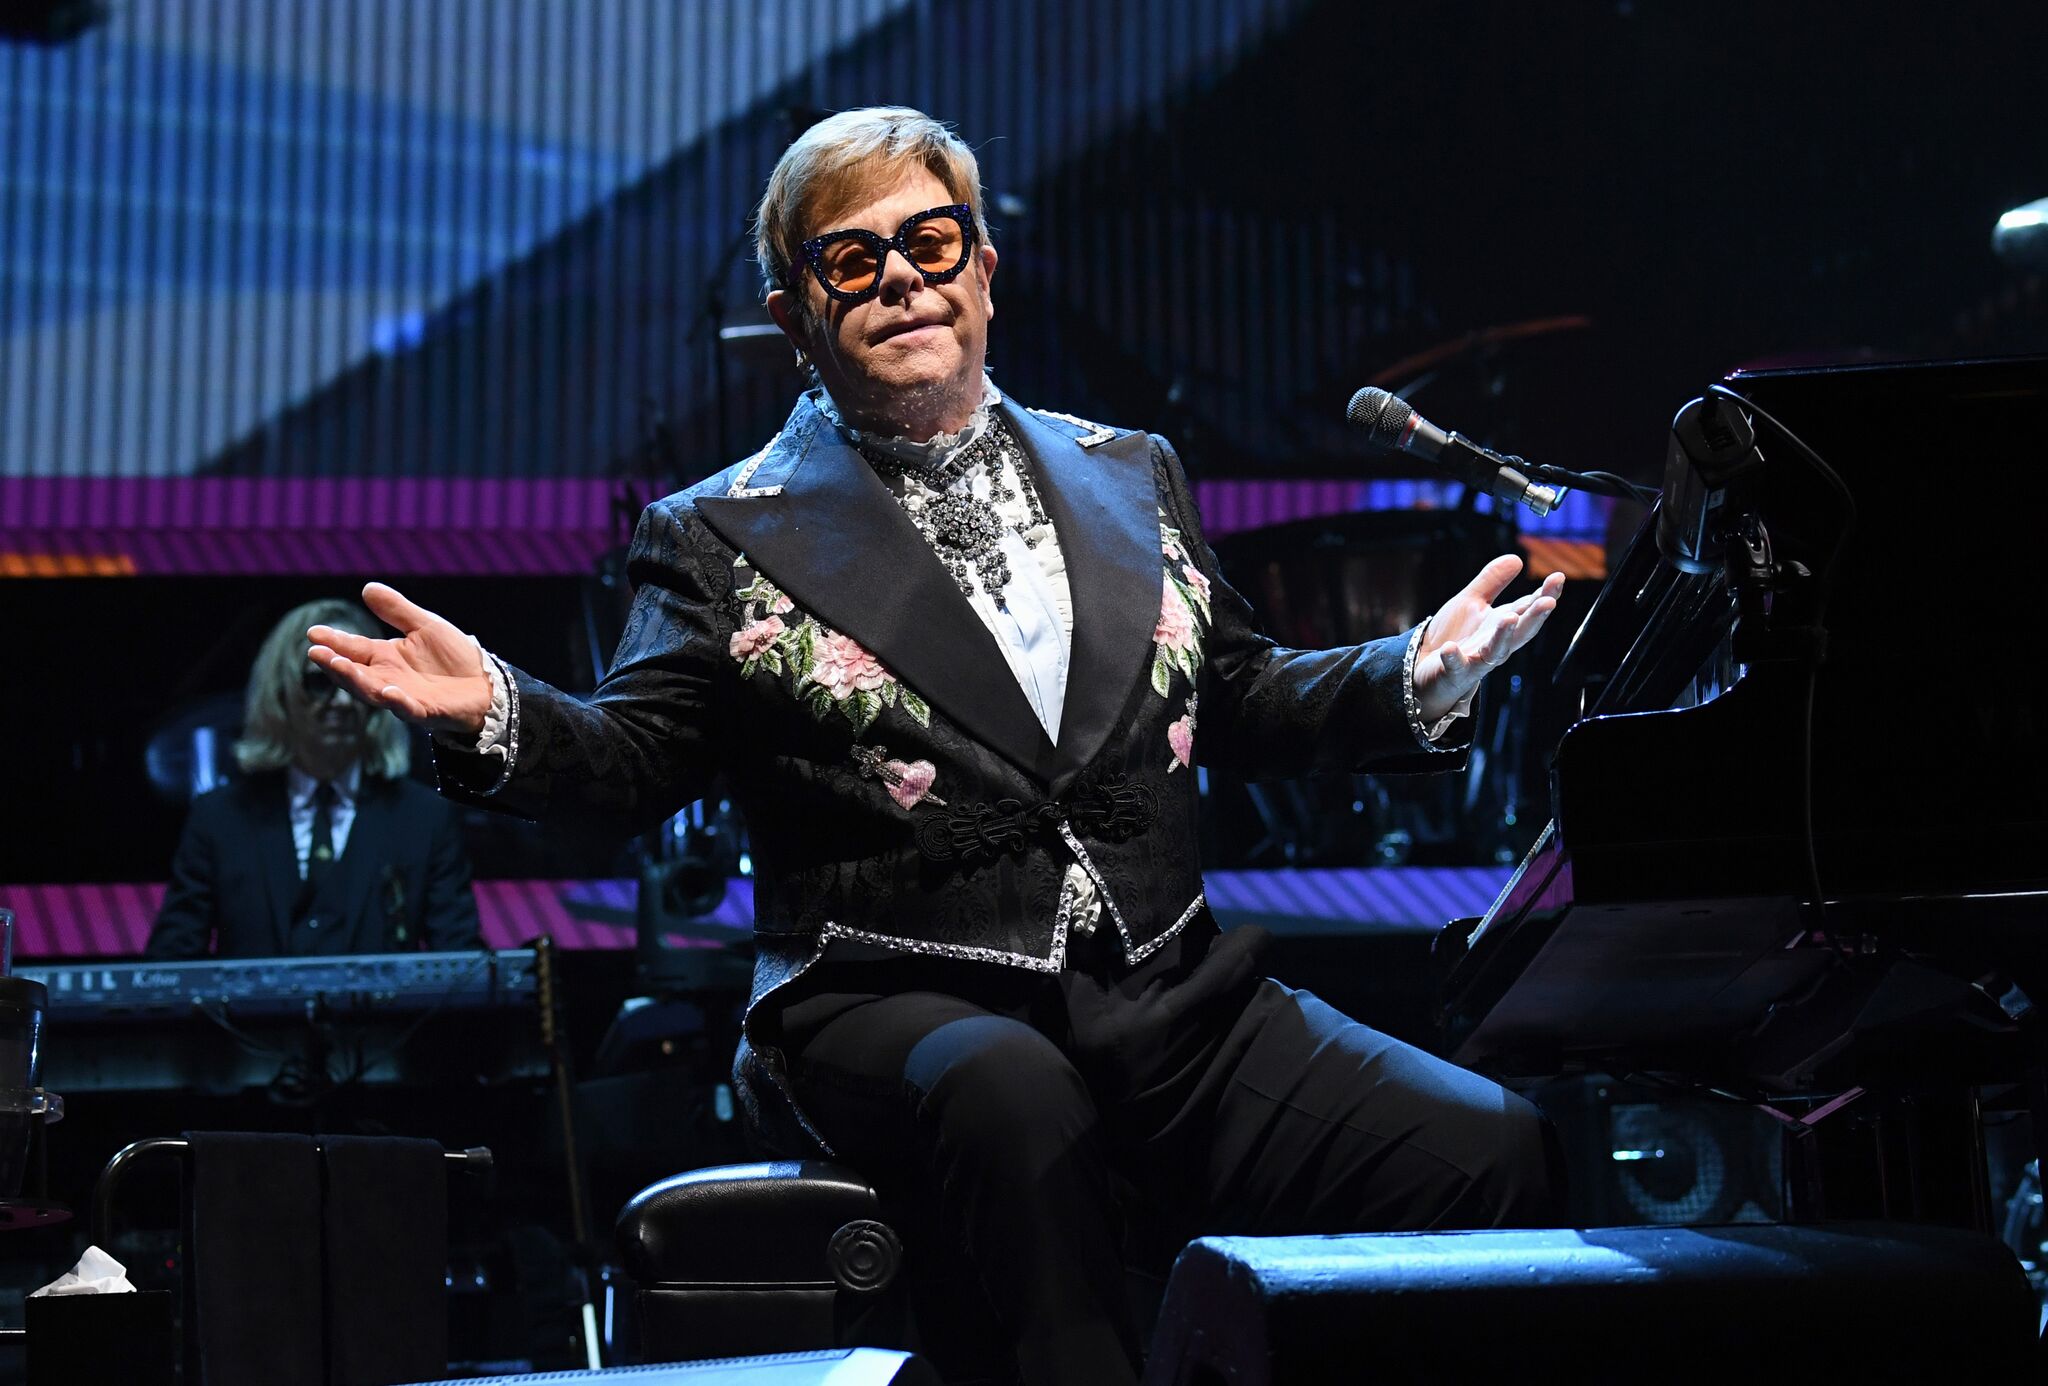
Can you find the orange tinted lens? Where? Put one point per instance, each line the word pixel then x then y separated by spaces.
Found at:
pixel 849 265
pixel 935 244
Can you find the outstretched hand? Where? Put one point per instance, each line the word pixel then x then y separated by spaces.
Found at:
pixel 432 675
pixel 1469 635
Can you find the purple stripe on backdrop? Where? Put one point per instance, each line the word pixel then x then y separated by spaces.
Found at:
pixel 1403 897
pixel 1419 897
pixel 316 526
pixel 510 920
pixel 89 920
pixel 527 526
pixel 110 925
pixel 1325 894
pixel 95 920
pixel 204 552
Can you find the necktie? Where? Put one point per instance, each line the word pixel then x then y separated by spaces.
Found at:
pixel 320 855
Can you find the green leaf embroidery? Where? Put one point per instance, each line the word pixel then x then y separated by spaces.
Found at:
pixel 888 692
pixel 862 708
pixel 802 650
pixel 1169 538
pixel 920 712
pixel 821 700
pixel 747 669
pixel 772 657
pixel 1162 672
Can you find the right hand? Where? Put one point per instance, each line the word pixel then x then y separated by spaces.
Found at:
pixel 432 675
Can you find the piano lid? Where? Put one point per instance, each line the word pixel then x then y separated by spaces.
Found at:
pixel 1650 924
pixel 1930 719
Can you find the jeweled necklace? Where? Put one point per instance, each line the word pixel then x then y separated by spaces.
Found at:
pixel 966 530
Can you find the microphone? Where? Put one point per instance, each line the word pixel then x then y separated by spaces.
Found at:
pixel 1393 424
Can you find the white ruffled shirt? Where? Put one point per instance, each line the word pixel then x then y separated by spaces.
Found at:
pixel 1034 627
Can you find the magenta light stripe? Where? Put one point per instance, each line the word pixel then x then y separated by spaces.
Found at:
pixel 603 935
pixel 102 934
pixel 87 919
pixel 549 503
pixel 135 903
pixel 439 524
pixel 512 916
pixel 72 910
pixel 533 910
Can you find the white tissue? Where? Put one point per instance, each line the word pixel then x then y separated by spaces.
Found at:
pixel 95 1274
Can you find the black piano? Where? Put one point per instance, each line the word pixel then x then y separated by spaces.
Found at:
pixel 1800 831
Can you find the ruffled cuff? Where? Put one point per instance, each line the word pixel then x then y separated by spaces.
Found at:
pixel 495 738
pixel 499 739
pixel 1427 734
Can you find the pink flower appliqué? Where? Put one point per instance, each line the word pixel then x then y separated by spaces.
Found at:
pixel 1176 628
pixel 1197 579
pixel 1181 737
pixel 908 783
pixel 843 667
pixel 759 636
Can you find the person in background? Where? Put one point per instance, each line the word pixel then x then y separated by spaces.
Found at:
pixel 321 844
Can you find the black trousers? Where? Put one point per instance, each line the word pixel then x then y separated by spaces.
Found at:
pixel 1043 1120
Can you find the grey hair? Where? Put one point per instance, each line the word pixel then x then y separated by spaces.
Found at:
pixel 838 163
pixel 275 677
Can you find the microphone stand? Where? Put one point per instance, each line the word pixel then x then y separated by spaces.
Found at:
pixel 709 326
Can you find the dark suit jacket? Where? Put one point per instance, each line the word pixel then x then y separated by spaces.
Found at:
pixel 403 878
pixel 792 629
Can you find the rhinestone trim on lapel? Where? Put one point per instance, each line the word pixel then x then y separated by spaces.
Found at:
pixel 1097 434
pixel 739 490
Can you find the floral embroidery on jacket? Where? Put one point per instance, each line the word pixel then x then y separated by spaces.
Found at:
pixel 1183 612
pixel 829 672
pixel 1180 738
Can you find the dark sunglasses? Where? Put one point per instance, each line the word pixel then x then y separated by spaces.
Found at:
pixel 936 243
pixel 315 684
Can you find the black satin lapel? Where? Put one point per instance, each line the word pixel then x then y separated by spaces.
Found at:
pixel 841 547
pixel 1105 510
pixel 270 837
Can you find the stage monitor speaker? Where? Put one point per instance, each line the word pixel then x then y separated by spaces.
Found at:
pixel 1638 1155
pixel 1838 1302
pixel 835 1367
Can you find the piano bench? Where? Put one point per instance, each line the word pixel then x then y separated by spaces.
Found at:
pixel 783 1256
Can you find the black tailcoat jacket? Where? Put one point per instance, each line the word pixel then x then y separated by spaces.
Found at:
pixel 793 630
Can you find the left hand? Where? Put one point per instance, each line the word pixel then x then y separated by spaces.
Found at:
pixel 1469 635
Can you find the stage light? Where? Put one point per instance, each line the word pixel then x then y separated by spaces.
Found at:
pixel 2021 236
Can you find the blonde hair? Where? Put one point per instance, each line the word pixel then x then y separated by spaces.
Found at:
pixel 275 677
pixel 844 160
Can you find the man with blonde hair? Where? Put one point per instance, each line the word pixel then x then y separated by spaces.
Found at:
pixel 321 845
pixel 958 659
